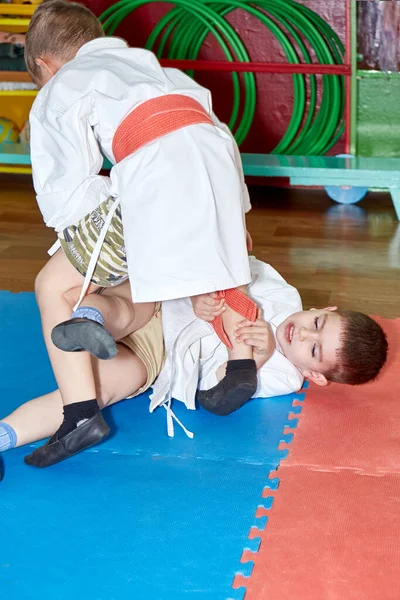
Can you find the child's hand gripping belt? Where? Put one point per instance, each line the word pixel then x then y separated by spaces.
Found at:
pixel 240 303
pixel 240 381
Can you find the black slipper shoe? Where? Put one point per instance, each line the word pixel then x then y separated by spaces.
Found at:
pixel 90 433
pixel 80 334
pixel 236 388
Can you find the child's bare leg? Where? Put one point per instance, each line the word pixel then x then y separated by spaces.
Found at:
pixel 239 381
pixel 40 418
pixel 100 320
pixel 82 425
pixel 121 315
pixel 73 372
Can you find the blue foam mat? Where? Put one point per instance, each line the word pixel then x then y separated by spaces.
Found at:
pixel 141 516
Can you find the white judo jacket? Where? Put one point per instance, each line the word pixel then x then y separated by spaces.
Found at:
pixel 183 196
pixel 194 351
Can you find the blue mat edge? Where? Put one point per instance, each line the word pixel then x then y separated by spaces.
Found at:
pixel 243 573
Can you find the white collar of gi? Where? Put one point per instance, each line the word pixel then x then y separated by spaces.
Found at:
pixel 100 44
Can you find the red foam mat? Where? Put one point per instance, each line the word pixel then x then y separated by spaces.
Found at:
pixel 334 529
pixel 331 536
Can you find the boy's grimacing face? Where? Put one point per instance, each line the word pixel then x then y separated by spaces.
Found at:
pixel 311 341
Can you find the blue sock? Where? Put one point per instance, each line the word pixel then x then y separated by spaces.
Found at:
pixel 87 312
pixel 8 437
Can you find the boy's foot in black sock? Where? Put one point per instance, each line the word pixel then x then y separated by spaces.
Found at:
pixel 82 427
pixel 75 414
pixel 81 333
pixel 236 388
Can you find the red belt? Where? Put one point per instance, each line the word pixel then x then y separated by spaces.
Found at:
pixel 154 119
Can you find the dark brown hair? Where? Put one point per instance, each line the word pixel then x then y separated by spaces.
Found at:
pixel 363 350
pixel 59 29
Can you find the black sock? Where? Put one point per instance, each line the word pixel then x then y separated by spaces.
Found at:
pixel 74 414
pixel 236 388
pixel 240 364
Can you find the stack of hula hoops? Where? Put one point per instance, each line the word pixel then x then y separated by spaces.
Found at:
pixel 315 126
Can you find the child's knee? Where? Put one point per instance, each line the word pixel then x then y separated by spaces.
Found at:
pixel 71 296
pixel 49 279
pixel 49 289
pixel 57 277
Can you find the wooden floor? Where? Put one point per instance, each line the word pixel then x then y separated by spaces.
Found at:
pixel 334 254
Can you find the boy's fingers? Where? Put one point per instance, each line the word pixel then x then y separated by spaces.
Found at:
pixel 219 306
pixel 244 331
pixel 216 313
pixel 245 323
pixel 210 301
pixel 259 346
pixel 217 303
pixel 252 335
pixel 209 314
pixel 259 326
pixel 254 343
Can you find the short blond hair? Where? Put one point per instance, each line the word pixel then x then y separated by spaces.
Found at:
pixel 59 29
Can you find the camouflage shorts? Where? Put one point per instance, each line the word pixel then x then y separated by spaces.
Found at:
pixel 78 242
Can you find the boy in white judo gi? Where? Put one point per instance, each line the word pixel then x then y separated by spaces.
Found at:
pixel 320 345
pixel 289 344
pixel 176 189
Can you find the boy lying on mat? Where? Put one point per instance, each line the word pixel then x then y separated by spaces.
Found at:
pixel 176 188
pixel 289 344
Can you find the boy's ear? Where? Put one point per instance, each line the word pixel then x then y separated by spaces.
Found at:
pixel 318 378
pixel 47 65
pixel 41 63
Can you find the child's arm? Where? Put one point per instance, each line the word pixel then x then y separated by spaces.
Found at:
pixel 259 336
pixel 281 377
pixel 256 334
pixel 66 160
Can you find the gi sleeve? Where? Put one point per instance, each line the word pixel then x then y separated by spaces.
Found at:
pixel 66 160
pixel 276 380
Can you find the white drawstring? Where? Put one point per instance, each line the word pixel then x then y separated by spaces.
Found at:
pixel 171 416
pixel 96 252
pixel 167 403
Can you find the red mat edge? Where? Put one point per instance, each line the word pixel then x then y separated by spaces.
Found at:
pixel 262 513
